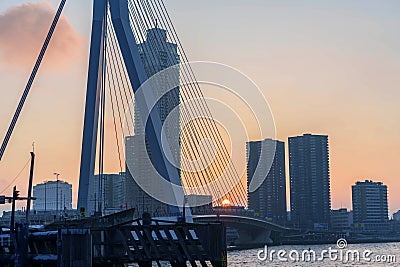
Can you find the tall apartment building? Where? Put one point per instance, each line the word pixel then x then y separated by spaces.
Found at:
pixel 370 205
pixel 269 200
pixel 52 195
pixel 310 200
pixel 157 54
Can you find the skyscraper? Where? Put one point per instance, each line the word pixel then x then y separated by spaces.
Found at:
pixel 370 205
pixel 269 200
pixel 310 200
pixel 157 54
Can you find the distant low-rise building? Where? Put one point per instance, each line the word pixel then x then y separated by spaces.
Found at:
pixel 198 200
pixel 199 204
pixel 52 195
pixel 396 216
pixel 36 217
pixel 341 220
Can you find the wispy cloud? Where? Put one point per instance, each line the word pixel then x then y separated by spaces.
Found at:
pixel 22 32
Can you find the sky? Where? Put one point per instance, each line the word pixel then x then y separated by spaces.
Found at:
pixel 325 67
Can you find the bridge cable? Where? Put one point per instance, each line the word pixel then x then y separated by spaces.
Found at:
pixel 192 135
pixel 185 73
pixel 192 122
pixel 187 120
pixel 150 55
pixel 113 113
pixel 31 79
pixel 206 128
pixel 112 62
pixel 119 54
pixel 126 88
pixel 176 38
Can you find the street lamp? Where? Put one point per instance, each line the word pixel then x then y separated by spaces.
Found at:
pixel 56 174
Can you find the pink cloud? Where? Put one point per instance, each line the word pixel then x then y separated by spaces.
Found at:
pixel 23 30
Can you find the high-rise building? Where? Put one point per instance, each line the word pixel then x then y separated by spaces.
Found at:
pixel 52 195
pixel 310 200
pixel 370 205
pixel 157 54
pixel 269 200
pixel 106 192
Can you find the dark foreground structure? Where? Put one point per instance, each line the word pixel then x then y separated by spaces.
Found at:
pixel 116 240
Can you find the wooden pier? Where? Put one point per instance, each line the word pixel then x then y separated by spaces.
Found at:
pixel 117 241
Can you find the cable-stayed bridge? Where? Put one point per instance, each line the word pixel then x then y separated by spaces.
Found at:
pixel 135 55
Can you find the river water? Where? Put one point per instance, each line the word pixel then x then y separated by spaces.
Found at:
pixel 382 254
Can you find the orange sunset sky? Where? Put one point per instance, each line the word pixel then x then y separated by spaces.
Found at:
pixel 325 67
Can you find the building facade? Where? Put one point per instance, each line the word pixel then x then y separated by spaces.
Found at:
pixel 396 216
pixel 52 196
pixel 341 220
pixel 310 200
pixel 269 200
pixel 370 205
pixel 157 54
pixel 106 193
